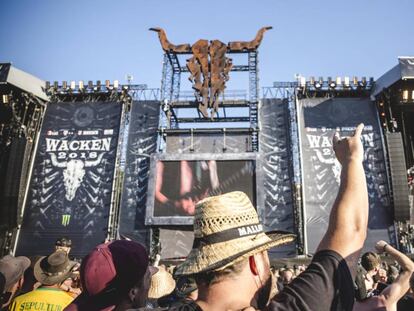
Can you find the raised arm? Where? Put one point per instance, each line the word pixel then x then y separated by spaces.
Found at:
pixel 349 215
pixel 394 292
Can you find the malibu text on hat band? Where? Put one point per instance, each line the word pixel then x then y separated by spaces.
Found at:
pixel 229 234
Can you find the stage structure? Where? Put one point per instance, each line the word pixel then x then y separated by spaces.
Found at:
pixel 217 148
pixel 75 181
pixel 22 105
pixel 394 96
pixel 209 67
pixel 101 161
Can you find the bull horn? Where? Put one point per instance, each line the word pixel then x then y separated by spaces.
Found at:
pixel 259 36
pixel 94 162
pixel 55 161
pixel 162 35
pixel 156 29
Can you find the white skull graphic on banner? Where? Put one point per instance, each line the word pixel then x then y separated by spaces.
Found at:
pixel 73 173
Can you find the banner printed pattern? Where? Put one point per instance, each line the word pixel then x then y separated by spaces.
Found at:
pixel 274 149
pixel 319 119
pixel 142 142
pixel 71 185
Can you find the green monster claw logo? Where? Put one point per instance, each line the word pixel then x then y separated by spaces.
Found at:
pixel 65 220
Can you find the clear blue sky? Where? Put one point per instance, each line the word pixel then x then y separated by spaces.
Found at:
pixel 91 39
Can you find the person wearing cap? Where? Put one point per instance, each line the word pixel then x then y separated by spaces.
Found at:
pixel 11 277
pixel 229 258
pixel 64 244
pixel 50 271
pixel 114 276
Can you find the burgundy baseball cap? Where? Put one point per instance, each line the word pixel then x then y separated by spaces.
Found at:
pixel 108 272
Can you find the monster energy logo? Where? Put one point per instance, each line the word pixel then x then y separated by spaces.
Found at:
pixel 65 220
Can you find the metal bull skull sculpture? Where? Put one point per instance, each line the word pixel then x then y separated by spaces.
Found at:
pixel 209 66
pixel 73 173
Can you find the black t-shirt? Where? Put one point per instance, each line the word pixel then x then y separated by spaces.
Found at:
pixel 325 285
pixel 185 305
pixel 405 304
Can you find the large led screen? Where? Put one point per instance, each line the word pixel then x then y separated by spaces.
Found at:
pixel 177 185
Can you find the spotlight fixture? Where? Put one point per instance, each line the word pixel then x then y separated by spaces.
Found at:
pixel 355 81
pixel 331 83
pixel 318 84
pixel 338 80
pixel 405 95
pixel 347 82
pixel 312 80
pixel 363 82
pixel 72 85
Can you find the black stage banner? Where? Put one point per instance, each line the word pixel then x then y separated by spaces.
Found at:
pixel 142 142
pixel 71 185
pixel 274 138
pixel 318 120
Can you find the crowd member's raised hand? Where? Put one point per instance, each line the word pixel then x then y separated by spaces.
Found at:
pixel 349 148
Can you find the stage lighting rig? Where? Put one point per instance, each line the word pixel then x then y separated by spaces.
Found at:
pixel 5 99
pixel 338 81
pixel 331 83
pixel 363 82
pixel 355 81
pixel 312 81
pixel 318 84
pixel 166 106
pixel 347 82
pixel 405 96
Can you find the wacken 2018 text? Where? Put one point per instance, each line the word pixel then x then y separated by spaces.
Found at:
pixel 53 145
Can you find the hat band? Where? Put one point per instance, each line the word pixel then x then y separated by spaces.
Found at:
pixel 229 234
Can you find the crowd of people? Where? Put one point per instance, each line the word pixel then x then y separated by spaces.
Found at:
pixel 228 267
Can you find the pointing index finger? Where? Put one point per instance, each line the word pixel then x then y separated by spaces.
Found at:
pixel 358 130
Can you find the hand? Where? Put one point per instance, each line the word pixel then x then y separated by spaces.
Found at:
pixel 349 147
pixel 379 247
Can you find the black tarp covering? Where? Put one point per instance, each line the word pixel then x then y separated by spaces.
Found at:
pixel 71 185
pixel 142 142
pixel 318 119
pixel 276 166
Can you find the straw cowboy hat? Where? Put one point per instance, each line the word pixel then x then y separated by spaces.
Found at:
pixel 54 268
pixel 227 228
pixel 162 284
